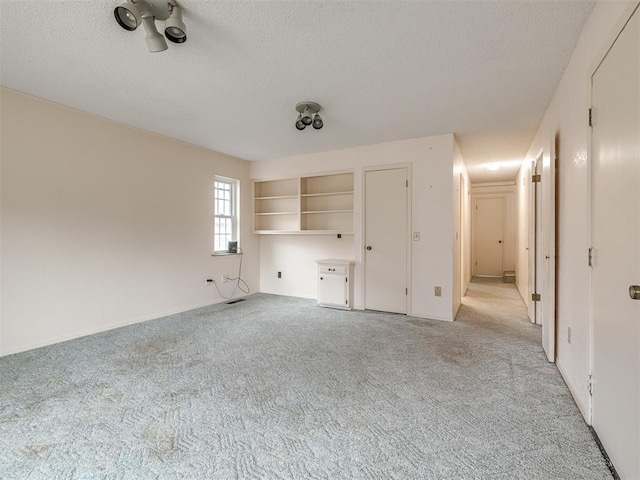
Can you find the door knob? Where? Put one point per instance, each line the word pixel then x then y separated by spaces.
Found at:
pixel 634 292
pixel 368 247
pixel 499 241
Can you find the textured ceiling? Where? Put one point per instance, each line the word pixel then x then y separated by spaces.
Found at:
pixel 382 71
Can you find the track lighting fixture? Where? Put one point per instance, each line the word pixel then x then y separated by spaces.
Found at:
pixel 155 41
pixel 317 121
pixel 128 16
pixel 299 123
pixel 308 115
pixel 174 28
pixel 131 14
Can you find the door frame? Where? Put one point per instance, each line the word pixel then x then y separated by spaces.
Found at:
pixel 535 240
pixel 549 190
pixel 622 21
pixel 363 223
pixel 474 226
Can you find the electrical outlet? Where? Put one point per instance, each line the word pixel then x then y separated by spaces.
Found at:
pixel 208 281
pixel 224 278
pixel 568 334
pixel 416 236
pixel 438 291
pixel 279 274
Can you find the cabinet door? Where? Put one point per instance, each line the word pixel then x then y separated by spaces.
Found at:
pixel 332 290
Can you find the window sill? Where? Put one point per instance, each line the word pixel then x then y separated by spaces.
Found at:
pixel 224 254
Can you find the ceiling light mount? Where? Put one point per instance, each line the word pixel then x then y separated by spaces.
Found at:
pixel 308 114
pixel 131 14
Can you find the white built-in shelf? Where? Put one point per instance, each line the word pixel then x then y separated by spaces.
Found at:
pixel 318 204
pixel 278 197
pixel 326 194
pixel 276 213
pixel 328 211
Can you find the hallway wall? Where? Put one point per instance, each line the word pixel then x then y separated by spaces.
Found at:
pixel 566 121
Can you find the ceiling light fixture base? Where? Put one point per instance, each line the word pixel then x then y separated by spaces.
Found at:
pixel 311 107
pixel 160 10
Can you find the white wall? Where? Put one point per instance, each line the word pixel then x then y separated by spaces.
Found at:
pixel 523 205
pixel 566 121
pixel 295 258
pixel 104 225
pixel 507 191
pixel 431 161
pixel 461 229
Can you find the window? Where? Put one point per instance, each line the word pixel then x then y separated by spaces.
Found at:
pixel 225 225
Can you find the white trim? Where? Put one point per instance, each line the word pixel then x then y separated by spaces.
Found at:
pixel 302 175
pixel 574 392
pixel 111 326
pixel 234 184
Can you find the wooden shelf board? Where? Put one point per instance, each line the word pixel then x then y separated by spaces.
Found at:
pixel 328 211
pixel 303 232
pixel 278 197
pixel 326 194
pixel 275 213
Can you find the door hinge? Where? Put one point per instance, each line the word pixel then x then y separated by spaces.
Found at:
pixel 590 117
pixel 535 297
pixel 406 291
pixel 536 178
pixel 346 280
pixel 406 183
pixel 591 256
pixel 346 302
pixel 590 385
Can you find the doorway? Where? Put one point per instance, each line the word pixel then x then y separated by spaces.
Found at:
pixel 386 253
pixel 489 235
pixel 615 259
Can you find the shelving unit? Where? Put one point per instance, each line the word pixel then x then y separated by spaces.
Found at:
pixel 309 204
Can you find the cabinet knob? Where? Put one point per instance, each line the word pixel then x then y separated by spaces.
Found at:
pixel 368 247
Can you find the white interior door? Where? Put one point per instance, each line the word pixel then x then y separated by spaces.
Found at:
pixel 616 241
pixel 386 240
pixel 489 236
pixel 548 294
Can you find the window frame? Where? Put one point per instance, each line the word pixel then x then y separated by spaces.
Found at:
pixel 234 216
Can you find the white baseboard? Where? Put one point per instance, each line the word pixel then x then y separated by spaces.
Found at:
pixel 574 391
pixel 104 328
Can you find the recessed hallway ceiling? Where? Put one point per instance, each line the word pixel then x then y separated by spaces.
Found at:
pixel 382 71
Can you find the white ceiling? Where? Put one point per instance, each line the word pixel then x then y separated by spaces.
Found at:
pixel 382 70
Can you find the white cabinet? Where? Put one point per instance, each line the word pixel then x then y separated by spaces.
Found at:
pixel 335 283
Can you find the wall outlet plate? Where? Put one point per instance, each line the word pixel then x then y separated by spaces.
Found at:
pixel 438 291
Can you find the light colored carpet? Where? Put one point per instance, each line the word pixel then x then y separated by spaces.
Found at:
pixel 278 388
